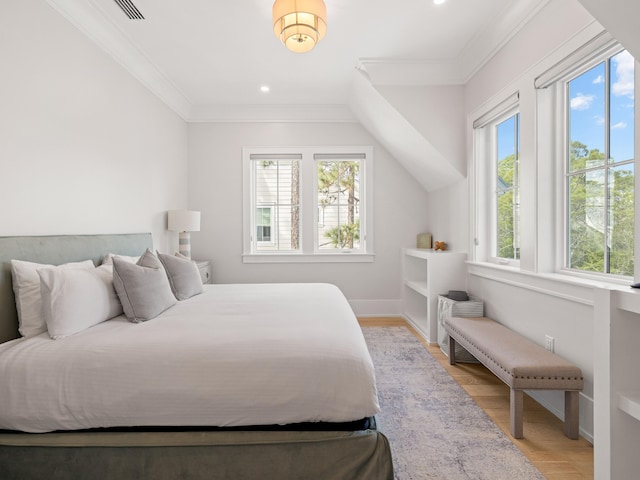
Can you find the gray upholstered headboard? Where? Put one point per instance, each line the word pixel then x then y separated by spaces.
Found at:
pixel 56 250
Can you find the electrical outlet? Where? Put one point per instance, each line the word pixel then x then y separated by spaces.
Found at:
pixel 549 343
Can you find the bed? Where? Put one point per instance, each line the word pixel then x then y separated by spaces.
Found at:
pixel 187 400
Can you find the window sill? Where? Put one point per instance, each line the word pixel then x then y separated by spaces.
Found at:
pixel 558 284
pixel 308 258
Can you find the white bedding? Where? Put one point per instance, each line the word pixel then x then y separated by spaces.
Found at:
pixel 235 355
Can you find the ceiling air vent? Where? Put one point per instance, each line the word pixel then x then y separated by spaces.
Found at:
pixel 130 9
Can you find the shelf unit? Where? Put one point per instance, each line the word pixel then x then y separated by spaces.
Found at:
pixel 426 274
pixel 617 384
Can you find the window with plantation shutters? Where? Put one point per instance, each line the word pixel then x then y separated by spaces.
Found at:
pixel 308 204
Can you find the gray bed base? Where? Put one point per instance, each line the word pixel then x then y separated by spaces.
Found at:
pixel 158 455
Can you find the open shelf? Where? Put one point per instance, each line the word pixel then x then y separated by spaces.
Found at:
pixel 427 273
pixel 629 403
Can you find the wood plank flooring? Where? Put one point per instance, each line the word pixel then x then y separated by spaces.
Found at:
pixel 545 445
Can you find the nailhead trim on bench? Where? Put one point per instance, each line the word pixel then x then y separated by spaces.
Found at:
pixel 508 372
pixel 518 383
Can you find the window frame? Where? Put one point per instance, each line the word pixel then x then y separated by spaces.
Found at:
pixel 485 148
pixel 308 213
pixel 514 112
pixel 600 50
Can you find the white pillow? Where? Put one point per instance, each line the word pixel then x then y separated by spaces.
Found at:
pixel 26 286
pixel 76 299
pixel 108 258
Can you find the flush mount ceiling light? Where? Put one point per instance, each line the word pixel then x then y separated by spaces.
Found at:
pixel 299 24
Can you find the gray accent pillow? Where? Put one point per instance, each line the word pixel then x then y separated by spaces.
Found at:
pixel 143 287
pixel 183 274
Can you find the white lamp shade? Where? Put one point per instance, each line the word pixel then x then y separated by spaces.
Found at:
pixel 184 221
pixel 299 24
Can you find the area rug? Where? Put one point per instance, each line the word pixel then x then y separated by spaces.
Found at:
pixel 434 427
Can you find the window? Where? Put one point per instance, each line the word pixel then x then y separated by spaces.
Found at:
pixel 263 224
pixel 507 167
pixel 496 221
pixel 338 194
pixel 276 190
pixel 599 176
pixel 305 204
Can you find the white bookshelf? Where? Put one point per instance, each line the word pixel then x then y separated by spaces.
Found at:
pixel 617 384
pixel 426 274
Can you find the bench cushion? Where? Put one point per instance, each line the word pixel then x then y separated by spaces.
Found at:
pixel 516 360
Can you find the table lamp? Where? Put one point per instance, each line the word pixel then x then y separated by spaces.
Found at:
pixel 184 221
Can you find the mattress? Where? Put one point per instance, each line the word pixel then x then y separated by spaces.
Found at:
pixel 235 355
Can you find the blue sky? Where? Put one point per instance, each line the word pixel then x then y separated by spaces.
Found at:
pixel 587 96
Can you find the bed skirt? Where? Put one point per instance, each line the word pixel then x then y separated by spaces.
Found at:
pixel 211 455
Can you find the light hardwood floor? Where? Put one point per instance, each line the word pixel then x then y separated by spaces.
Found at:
pixel 557 457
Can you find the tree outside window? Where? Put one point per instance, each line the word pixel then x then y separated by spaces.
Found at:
pixel 338 202
pixel 508 188
pixel 600 168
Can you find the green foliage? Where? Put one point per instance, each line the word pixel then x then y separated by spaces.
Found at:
pixel 344 235
pixel 508 209
pixel 337 181
pixel 600 226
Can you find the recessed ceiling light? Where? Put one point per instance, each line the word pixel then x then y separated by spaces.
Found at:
pixel 439 2
pixel 264 88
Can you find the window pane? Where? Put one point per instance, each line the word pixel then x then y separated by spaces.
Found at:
pixel 277 193
pixel 621 107
pixel 587 123
pixel 506 216
pixel 621 218
pixel 338 204
pixel 586 221
pixel 507 188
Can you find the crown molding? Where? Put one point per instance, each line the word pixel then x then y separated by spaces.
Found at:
pixel 483 47
pixel 87 18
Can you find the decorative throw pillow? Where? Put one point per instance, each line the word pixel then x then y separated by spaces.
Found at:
pixel 143 287
pixel 183 274
pixel 76 299
pixel 26 286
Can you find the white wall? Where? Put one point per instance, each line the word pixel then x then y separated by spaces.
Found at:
pixel 84 147
pixel 215 188
pixel 528 303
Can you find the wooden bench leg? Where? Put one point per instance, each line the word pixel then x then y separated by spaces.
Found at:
pixel 572 414
pixel 452 351
pixel 515 418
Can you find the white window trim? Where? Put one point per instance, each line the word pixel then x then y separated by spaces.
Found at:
pixel 308 212
pixel 484 223
pixel 553 136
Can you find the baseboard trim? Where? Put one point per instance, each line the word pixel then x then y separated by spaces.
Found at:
pixel 376 308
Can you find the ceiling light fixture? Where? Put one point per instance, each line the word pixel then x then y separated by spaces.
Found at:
pixel 439 2
pixel 264 88
pixel 299 24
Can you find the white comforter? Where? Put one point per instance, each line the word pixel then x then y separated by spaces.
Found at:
pixel 235 355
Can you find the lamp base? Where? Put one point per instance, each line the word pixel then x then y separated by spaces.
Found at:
pixel 184 244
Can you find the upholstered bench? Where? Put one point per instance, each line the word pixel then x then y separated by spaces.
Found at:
pixel 520 363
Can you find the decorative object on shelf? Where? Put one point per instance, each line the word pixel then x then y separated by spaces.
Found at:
pixel 440 246
pixel 184 221
pixel 299 24
pixel 424 240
